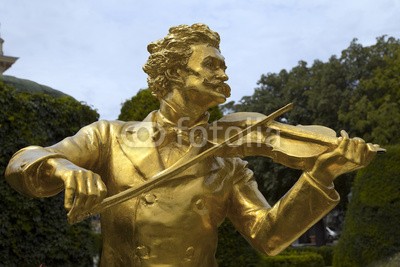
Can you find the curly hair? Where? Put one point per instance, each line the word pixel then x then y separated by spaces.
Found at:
pixel 172 53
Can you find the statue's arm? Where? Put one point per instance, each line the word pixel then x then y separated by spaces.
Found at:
pixel 272 229
pixel 24 172
pixel 32 170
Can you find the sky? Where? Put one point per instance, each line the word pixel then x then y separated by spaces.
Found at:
pixel 94 50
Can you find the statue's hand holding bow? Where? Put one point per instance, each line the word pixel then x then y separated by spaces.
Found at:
pixel 84 189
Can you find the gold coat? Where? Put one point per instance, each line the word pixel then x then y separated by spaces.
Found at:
pixel 174 224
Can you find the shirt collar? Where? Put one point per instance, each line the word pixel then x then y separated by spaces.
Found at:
pixel 162 121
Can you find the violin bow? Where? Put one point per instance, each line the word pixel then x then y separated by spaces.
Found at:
pixel 173 170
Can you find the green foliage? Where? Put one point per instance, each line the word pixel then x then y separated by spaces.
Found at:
pixel 27 86
pixel 371 231
pixel 233 250
pixel 374 109
pixel 274 180
pixel 139 106
pixel 389 262
pixel 242 254
pixel 325 251
pixel 215 114
pixel 34 231
pixel 293 258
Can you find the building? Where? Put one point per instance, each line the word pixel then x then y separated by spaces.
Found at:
pixel 5 61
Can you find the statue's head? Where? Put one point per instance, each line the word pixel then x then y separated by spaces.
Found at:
pixel 171 54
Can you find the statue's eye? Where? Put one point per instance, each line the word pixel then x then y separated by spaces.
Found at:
pixel 208 63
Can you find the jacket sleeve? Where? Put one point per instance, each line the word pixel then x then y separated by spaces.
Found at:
pixel 272 229
pixel 26 175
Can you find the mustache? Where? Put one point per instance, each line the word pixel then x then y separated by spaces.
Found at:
pixel 219 85
pixel 213 82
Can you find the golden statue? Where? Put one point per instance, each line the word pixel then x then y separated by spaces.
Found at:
pixel 164 185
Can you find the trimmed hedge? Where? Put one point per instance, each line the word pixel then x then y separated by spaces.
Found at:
pixel 293 258
pixel 234 251
pixel 371 231
pixel 325 251
pixel 35 231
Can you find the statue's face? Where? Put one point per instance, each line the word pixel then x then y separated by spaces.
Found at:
pixel 207 76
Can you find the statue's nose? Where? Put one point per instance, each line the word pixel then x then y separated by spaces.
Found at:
pixel 222 76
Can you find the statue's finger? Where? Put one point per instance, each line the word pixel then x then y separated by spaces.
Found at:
pixel 361 152
pixel 344 142
pixel 371 152
pixel 344 134
pixel 101 186
pixel 359 140
pixel 81 192
pixel 92 191
pixel 70 187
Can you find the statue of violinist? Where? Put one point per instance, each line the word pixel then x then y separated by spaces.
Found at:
pixel 172 179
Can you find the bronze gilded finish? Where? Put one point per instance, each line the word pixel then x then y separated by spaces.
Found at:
pixel 165 184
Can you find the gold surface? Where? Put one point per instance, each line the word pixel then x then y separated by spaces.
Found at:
pixel 174 223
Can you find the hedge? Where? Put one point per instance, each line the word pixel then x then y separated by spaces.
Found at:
pixel 34 231
pixel 293 258
pixel 325 251
pixel 233 250
pixel 371 232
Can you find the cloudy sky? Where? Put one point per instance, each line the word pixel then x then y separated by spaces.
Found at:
pixel 94 50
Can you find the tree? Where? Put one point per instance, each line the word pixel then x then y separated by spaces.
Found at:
pixel 139 106
pixel 374 109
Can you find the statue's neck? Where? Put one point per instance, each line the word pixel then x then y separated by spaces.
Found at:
pixel 181 114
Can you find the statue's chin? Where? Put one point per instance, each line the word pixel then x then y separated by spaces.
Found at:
pixel 207 96
pixel 214 96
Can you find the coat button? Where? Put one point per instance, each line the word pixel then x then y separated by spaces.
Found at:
pixel 142 252
pixel 200 204
pixel 189 254
pixel 150 199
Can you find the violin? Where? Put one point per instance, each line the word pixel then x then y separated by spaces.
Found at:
pixel 243 134
pixel 292 146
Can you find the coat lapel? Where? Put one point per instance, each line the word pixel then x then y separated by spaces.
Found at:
pixel 136 141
